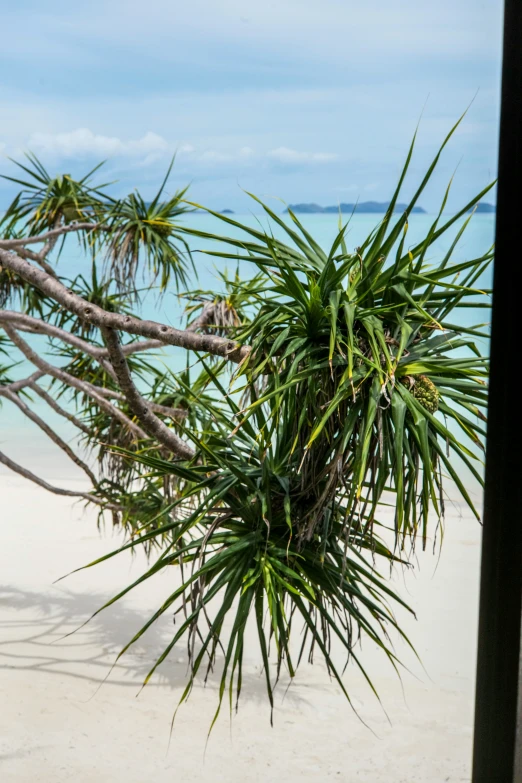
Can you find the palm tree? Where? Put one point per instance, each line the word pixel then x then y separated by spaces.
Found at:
pixel 330 385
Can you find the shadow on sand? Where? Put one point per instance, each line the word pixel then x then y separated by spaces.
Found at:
pixel 48 633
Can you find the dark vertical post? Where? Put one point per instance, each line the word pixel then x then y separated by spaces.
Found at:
pixel 495 741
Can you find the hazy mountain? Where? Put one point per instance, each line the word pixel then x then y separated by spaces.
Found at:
pixel 485 209
pixel 373 207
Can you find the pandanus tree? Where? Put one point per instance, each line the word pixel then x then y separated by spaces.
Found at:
pixel 323 388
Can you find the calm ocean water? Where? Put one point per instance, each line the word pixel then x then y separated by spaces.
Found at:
pixel 476 240
pixel 18 438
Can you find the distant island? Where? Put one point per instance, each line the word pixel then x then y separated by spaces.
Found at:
pixel 221 212
pixel 373 207
pixel 484 208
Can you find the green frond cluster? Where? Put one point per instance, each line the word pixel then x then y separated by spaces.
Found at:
pixel 132 235
pixel 152 230
pixel 46 202
pixel 361 394
pixel 322 458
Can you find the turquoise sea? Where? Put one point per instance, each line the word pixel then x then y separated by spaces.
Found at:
pixel 25 443
pixel 476 240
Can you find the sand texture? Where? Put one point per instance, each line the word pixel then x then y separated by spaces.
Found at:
pixel 59 723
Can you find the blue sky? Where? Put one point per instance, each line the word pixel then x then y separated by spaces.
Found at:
pixel 305 100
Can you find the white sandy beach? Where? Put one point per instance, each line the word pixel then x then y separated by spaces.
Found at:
pixel 57 724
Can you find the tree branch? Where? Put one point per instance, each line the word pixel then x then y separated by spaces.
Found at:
pixel 138 405
pixel 26 323
pixel 91 313
pixel 16 468
pixel 70 380
pixel 26 410
pixel 40 259
pixel 57 408
pixel 10 244
pixel 16 386
pixel 142 345
pixel 50 243
pixel 172 413
pixel 204 318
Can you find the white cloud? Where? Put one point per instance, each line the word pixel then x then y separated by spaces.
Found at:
pixel 82 142
pixel 288 156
